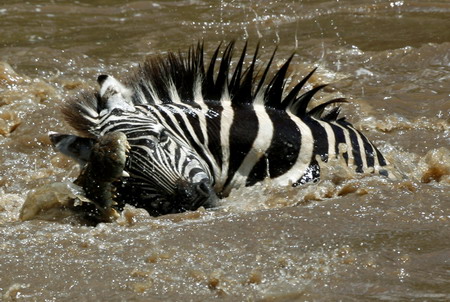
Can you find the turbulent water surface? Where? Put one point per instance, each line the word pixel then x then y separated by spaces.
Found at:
pixel 349 237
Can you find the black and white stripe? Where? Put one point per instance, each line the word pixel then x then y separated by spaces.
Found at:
pixel 200 131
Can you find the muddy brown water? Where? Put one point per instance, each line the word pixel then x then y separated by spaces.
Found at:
pixel 349 237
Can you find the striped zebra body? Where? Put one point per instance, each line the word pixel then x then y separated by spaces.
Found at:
pixel 272 141
pixel 195 133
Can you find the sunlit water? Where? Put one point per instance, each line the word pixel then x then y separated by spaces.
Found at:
pixel 349 237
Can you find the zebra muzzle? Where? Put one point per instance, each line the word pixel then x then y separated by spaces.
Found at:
pixel 191 196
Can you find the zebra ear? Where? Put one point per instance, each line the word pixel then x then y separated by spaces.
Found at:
pixel 78 148
pixel 114 94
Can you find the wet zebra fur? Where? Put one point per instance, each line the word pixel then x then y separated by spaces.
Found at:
pixel 198 130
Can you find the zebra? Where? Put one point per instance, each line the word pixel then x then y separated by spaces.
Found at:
pixel 195 131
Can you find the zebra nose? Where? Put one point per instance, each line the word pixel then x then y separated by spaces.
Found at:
pixel 193 195
pixel 203 188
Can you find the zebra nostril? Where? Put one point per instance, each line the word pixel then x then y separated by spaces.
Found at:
pixel 203 188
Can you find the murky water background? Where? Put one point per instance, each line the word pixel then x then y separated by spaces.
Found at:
pixel 347 238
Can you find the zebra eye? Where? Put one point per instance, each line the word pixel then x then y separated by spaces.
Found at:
pixel 163 136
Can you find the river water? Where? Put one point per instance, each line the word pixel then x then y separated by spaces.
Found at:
pixel 349 237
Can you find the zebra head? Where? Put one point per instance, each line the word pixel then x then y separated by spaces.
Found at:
pixel 166 174
pixel 162 173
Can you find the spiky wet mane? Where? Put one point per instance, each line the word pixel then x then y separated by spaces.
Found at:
pixel 184 77
pixel 81 111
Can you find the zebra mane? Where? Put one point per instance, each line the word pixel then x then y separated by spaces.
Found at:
pixel 184 74
pixel 182 77
pixel 82 111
